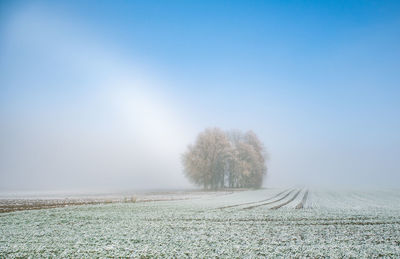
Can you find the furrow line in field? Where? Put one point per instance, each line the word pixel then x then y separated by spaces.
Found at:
pixel 303 201
pixel 286 202
pixel 252 202
pixel 271 202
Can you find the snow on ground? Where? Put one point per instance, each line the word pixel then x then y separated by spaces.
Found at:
pixel 332 223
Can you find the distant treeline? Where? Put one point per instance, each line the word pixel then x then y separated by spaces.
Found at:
pixel 221 159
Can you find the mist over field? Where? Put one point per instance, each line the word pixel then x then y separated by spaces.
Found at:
pixel 111 100
pixel 199 129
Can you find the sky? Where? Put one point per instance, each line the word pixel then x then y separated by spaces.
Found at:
pixel 108 94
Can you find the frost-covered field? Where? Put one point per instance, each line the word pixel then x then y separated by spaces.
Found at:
pixel 30 201
pixel 268 222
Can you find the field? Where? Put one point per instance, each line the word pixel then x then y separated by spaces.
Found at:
pixel 256 223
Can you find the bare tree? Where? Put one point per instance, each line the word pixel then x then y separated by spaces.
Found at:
pixel 256 157
pixel 219 159
pixel 205 162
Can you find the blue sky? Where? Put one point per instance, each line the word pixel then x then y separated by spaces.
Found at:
pixel 318 81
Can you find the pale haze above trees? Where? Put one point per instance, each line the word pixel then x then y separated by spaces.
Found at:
pixel 220 159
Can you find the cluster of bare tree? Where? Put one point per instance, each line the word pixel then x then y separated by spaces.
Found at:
pixel 222 159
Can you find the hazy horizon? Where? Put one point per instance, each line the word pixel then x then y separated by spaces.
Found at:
pixel 107 96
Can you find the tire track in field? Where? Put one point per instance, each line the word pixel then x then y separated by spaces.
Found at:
pixel 286 202
pixel 303 201
pixel 252 202
pixel 271 202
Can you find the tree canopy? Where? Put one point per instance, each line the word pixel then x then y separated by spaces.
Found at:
pixel 220 159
